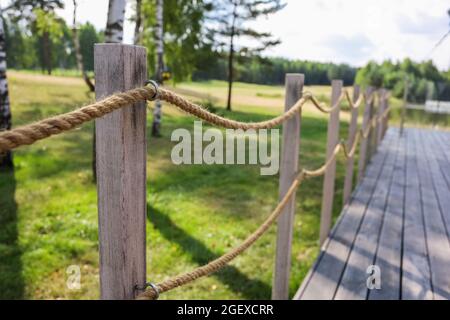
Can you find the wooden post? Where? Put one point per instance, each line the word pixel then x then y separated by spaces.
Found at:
pixel 405 101
pixel 288 172
pixel 330 173
pixel 386 118
pixel 121 172
pixel 352 131
pixel 373 132
pixel 364 148
pixel 380 123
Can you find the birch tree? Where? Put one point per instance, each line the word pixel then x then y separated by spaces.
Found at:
pixel 114 24
pixel 5 110
pixel 159 67
pixel 138 25
pixel 78 56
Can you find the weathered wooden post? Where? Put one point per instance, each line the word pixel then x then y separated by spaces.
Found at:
pixel 364 148
pixel 405 102
pixel 380 123
pixel 352 131
pixel 330 173
pixel 371 149
pixel 121 170
pixel 288 172
pixel 386 117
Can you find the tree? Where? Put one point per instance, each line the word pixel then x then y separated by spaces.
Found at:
pixel 89 36
pixel 48 28
pixel 423 79
pixel 138 23
pixel 185 35
pixel 42 18
pixel 230 18
pixel 79 57
pixel 114 23
pixel 5 109
pixel 159 67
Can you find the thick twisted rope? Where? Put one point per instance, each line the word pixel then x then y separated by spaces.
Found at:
pixel 217 264
pixel 29 134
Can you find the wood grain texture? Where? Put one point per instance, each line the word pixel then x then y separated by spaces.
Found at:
pixel 330 173
pixel 433 210
pixel 381 122
pixel 389 250
pixel 399 221
pixel 364 147
pixel 121 169
pixel 416 278
pixel 288 172
pixel 352 130
pixel 386 119
pixel 323 280
pixel 353 282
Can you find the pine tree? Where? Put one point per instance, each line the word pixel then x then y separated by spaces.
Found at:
pixel 229 19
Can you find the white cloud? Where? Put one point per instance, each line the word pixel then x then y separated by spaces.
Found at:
pixel 352 31
pixel 355 31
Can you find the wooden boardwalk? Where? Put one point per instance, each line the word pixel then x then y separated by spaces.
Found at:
pixel 398 219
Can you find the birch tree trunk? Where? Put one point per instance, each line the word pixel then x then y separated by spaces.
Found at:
pixel 5 110
pixel 113 34
pixel 138 26
pixel 114 24
pixel 78 56
pixel 159 67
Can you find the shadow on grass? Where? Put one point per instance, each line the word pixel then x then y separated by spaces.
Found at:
pixel 200 254
pixel 11 281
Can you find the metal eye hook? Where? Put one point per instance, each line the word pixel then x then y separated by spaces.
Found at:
pixel 155 85
pixel 149 285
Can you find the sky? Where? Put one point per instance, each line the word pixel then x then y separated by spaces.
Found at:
pixel 340 31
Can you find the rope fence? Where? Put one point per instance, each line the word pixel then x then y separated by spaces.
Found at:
pixel 154 291
pixel 31 133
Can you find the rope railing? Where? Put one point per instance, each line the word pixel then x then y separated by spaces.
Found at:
pixel 155 290
pixel 29 134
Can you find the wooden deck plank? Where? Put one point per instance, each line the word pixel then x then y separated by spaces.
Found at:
pixel 436 235
pixel 440 168
pixel 389 251
pixel 416 281
pixel 443 141
pixel 322 281
pixel 353 283
pixel 398 219
pixel 443 164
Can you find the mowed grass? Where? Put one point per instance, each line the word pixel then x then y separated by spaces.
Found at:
pixel 48 206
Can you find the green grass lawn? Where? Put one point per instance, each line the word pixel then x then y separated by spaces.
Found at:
pixel 48 209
